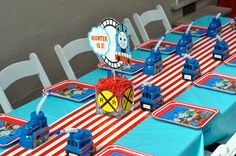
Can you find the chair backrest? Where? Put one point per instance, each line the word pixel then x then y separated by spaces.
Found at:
pixel 231 144
pixel 221 150
pixel 228 149
pixel 70 50
pixel 150 16
pixel 132 33
pixel 17 71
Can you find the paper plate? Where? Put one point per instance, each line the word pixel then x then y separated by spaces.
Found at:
pixel 117 150
pixel 10 129
pixel 195 30
pixel 165 47
pixel 72 90
pixel 185 114
pixel 216 81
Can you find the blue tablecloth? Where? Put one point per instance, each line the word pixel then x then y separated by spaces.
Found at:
pixel 153 136
pixel 160 138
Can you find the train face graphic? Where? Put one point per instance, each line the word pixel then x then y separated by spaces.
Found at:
pixel 122 44
pixel 34 132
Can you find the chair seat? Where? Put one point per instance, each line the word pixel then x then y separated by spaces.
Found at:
pixel 207 153
pixel 208 10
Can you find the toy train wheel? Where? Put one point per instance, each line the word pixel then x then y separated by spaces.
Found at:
pixel 93 151
pixel 34 144
pixel 162 102
pixel 107 101
pixel 45 138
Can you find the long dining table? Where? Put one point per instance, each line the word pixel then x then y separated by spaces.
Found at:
pixel 139 130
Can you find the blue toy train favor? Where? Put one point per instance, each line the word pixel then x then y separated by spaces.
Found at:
pixel 79 142
pixel 122 44
pixel 153 63
pixel 185 43
pixel 214 27
pixel 36 131
pixel 151 97
pixel 221 50
pixel 191 70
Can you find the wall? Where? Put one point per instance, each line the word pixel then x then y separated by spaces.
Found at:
pixel 36 26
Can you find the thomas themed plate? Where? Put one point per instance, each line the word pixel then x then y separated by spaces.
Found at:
pixel 165 47
pixel 231 60
pixel 219 82
pixel 129 69
pixel 72 90
pixel 197 31
pixel 10 129
pixel 185 114
pixel 117 150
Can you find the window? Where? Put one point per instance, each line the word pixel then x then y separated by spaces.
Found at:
pixel 188 67
pixel 219 48
pixel 144 95
pixel 189 8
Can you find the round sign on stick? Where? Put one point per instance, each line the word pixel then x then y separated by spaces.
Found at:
pixel 107 101
pixel 127 100
pixel 109 24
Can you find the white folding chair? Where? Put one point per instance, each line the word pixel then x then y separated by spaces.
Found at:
pixel 228 149
pixel 132 33
pixel 70 50
pixel 17 71
pixel 221 150
pixel 231 144
pixel 150 16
